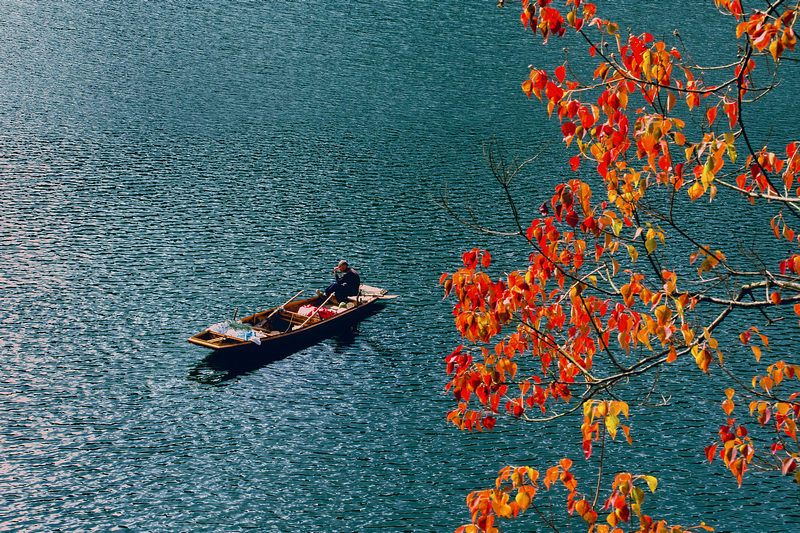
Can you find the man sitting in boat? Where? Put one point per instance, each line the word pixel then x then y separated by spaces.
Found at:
pixel 346 284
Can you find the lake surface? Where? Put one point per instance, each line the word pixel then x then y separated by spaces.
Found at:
pixel 163 164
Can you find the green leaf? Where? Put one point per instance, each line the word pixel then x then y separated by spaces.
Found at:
pixel 650 244
pixel 638 495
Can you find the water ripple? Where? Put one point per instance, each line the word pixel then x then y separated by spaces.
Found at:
pixel 165 164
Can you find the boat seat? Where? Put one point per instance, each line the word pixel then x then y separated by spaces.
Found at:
pixel 295 318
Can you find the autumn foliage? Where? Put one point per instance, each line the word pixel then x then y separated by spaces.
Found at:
pixel 619 283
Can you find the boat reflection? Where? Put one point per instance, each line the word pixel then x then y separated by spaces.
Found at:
pixel 223 367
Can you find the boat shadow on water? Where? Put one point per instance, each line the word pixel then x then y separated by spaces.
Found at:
pixel 222 366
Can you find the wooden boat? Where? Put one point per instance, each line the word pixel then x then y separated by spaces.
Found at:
pixel 295 324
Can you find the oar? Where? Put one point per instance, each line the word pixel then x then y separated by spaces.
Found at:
pixel 317 310
pixel 281 306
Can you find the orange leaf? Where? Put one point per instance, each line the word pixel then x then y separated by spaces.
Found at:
pixel 711 114
pixel 727 406
pixel 696 191
pixel 560 73
pixel 756 352
pixel 550 476
pixel 703 359
pixel 673 354
pixel 527 87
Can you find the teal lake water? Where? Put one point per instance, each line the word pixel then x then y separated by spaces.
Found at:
pixel 165 163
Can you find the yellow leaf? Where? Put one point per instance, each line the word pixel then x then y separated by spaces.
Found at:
pixel 504 511
pixel 732 155
pixel 611 423
pixel 708 172
pixel 637 495
pixel 633 253
pixel 651 482
pixel 646 58
pixel 688 334
pixel 663 314
pixel 650 245
pixel 775 49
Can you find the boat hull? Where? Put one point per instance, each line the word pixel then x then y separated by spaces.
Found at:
pixel 300 331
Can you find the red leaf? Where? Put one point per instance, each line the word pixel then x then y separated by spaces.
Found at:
pixel 710 450
pixel 587 448
pixel 483 394
pixel 587 118
pixel 568 129
pixel 789 465
pixel 625 513
pixel 575 162
pixel 494 402
pixel 572 218
pixel 560 73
